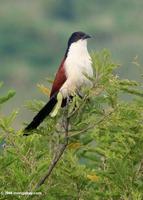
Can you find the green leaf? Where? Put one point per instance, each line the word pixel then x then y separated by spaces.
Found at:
pixel 9 95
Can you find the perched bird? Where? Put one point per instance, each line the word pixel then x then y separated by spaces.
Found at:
pixel 70 76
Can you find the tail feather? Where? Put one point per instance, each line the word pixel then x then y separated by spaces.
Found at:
pixel 42 114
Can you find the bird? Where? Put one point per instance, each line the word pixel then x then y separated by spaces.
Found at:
pixel 70 77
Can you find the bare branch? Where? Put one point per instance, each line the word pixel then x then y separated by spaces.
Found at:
pixel 61 147
pixel 60 150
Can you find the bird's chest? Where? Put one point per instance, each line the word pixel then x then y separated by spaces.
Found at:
pixel 76 66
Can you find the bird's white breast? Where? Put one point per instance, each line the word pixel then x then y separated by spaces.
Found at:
pixel 77 64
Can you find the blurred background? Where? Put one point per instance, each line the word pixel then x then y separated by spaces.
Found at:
pixel 34 34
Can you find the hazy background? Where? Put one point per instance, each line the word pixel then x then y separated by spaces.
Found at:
pixel 34 34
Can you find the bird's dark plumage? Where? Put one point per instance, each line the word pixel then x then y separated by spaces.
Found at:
pixel 41 115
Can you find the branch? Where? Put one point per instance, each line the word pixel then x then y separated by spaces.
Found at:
pixel 78 108
pixel 91 126
pixel 60 150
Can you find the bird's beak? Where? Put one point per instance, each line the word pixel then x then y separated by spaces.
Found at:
pixel 86 36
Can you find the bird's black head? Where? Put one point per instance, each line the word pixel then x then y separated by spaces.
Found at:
pixel 77 36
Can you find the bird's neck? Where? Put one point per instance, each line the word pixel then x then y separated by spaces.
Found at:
pixel 77 62
pixel 78 49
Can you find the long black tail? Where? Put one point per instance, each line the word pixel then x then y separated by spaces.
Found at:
pixel 44 112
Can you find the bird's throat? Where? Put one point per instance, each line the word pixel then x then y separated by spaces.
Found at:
pixel 77 63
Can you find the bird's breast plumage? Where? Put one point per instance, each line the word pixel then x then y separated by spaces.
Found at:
pixel 76 65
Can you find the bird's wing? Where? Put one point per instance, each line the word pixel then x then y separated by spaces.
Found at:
pixel 59 79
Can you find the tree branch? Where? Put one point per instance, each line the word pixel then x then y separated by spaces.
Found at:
pixel 60 150
pixel 91 126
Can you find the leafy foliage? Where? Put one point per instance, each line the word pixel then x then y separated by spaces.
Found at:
pixel 103 159
pixel 9 95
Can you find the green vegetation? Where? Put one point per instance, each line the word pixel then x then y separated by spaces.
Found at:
pixel 34 34
pixel 103 158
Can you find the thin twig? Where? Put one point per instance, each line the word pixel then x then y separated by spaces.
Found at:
pixel 91 126
pixel 58 154
pixel 86 97
pixel 78 108
pixel 61 148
